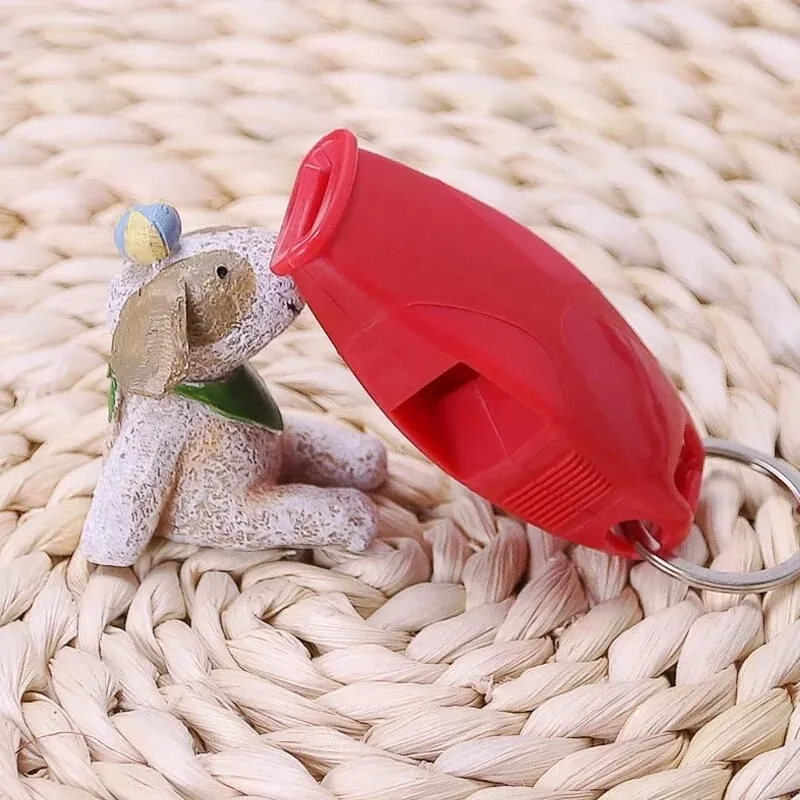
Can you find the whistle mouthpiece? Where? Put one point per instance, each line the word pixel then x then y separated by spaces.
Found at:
pixel 317 202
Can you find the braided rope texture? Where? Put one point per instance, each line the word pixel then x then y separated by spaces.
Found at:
pixel 464 656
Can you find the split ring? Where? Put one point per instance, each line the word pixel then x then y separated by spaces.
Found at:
pixel 714 580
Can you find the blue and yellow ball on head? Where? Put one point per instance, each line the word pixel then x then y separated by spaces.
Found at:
pixel 148 233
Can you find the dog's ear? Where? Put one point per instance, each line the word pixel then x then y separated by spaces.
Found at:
pixel 149 347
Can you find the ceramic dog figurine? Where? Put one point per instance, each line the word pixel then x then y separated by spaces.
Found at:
pixel 198 452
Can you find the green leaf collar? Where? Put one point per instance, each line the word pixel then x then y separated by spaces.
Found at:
pixel 242 396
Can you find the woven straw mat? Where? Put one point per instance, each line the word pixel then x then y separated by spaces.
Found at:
pixel 463 657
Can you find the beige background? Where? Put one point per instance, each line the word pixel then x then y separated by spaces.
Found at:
pixel 655 144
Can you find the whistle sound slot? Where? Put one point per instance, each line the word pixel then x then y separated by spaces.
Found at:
pixel 466 422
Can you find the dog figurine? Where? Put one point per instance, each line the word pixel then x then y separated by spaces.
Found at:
pixel 198 452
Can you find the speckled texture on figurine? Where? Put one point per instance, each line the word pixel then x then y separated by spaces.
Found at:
pixel 175 468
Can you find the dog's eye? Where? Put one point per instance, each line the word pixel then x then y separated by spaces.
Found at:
pixel 222 272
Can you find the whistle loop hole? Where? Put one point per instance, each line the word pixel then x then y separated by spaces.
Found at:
pixel 763 580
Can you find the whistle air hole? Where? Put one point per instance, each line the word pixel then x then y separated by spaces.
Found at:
pixel 314 185
pixel 306 209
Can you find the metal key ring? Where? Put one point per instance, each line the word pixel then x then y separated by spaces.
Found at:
pixel 714 580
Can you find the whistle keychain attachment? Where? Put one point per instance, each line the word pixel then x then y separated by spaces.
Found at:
pixel 500 361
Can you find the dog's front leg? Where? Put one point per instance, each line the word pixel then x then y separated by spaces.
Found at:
pixel 326 453
pixel 135 480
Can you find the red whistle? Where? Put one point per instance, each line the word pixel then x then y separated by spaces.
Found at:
pixel 491 352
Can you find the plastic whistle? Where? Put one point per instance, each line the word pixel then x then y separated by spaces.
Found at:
pixel 491 352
